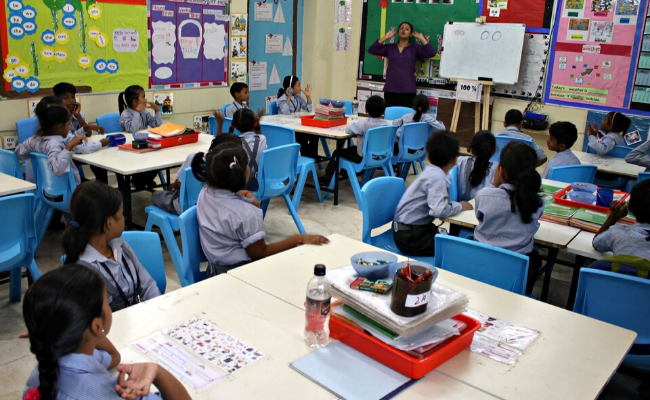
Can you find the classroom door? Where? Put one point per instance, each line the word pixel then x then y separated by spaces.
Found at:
pixel 274 37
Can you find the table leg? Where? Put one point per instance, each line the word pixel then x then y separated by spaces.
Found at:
pixel 548 270
pixel 169 182
pixel 580 261
pixel 339 147
pixel 477 117
pixel 455 116
pixel 124 185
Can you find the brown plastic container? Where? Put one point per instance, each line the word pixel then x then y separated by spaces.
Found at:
pixel 410 299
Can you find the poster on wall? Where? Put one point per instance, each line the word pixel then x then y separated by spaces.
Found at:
pixel 189 43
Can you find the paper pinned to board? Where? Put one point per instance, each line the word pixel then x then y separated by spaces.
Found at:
pixel 274 43
pixel 274 78
pixel 263 11
pixel 257 72
pixel 279 15
pixel 288 48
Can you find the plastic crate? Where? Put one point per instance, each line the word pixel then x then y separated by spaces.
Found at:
pixel 310 121
pixel 174 140
pixel 559 199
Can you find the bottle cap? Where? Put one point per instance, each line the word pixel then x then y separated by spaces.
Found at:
pixel 319 270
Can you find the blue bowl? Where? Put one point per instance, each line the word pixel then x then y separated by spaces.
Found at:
pixel 394 267
pixel 140 136
pixel 324 101
pixel 583 197
pixel 373 271
pixel 338 104
pixel 584 187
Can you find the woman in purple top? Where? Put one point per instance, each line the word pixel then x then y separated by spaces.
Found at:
pixel 399 89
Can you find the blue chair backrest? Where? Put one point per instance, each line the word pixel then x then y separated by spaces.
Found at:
pixel 617 151
pixel 19 241
pixel 348 107
pixel 393 113
pixel 193 254
pixel 378 146
pixel 414 137
pixel 277 135
pixel 643 176
pixel 190 189
pixel 453 185
pixel 110 122
pixel 226 125
pixel 26 128
pixel 223 109
pixel 379 213
pixel 54 191
pixel 9 164
pixel 573 173
pixel 479 261
pixel 273 108
pixel 148 249
pixel 278 168
pixel 502 141
pixel 615 298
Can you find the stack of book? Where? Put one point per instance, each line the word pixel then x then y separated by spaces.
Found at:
pixel 588 220
pixel 327 113
pixel 557 213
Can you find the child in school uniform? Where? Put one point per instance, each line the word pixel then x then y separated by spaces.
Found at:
pixel 612 130
pixel 421 106
pixel 53 138
pixel 640 156
pixel 230 223
pixel 68 319
pixel 476 171
pixel 93 238
pixel 290 101
pixel 513 123
pixel 508 212
pixel 375 107
pixel 254 143
pixel 623 239
pixel 239 92
pixel 562 135
pixel 427 198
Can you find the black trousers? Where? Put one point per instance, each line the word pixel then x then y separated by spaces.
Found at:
pixel 534 265
pixel 399 99
pixel 349 153
pixel 419 241
pixel 308 145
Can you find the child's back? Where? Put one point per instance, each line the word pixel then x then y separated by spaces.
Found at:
pixel 640 156
pixel 421 106
pixel 360 128
pixel 476 171
pixel 514 121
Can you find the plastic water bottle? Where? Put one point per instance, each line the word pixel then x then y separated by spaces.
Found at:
pixel 355 109
pixel 317 312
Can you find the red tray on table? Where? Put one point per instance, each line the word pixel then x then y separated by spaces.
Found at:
pixel 310 121
pixel 559 199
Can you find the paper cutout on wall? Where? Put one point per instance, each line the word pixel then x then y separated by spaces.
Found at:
pixel 126 40
pixel 257 76
pixel 189 41
pixel 279 15
pixel 288 49
pixel 273 43
pixel 264 11
pixel 163 42
pixel 214 41
pixel 274 79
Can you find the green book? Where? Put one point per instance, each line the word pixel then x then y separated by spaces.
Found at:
pixel 549 189
pixel 595 217
pixel 370 322
pixel 558 209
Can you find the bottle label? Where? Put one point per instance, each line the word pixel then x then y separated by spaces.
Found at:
pixel 318 307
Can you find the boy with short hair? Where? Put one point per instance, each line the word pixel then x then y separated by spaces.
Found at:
pixel 513 123
pixel 623 239
pixel 562 135
pixel 78 125
pixel 239 92
pixel 427 198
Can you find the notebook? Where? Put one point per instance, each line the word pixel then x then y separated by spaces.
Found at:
pixel 351 375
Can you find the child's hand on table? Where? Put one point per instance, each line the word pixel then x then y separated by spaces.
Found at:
pixel 313 239
pixel 97 128
pixel 466 206
pixel 105 142
pixel 76 141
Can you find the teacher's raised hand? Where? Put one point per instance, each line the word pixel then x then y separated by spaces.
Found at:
pixel 419 36
pixel 389 35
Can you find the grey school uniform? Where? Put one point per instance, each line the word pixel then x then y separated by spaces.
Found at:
pixel 408 118
pixel 75 125
pixel 499 225
pixel 606 143
pixel 59 158
pixel 116 271
pixel 512 131
pixel 249 138
pixel 621 239
pixel 465 164
pixel 233 107
pixel 133 121
pixel 640 156
pixel 169 200
pixel 561 159
pixel 360 128
pixel 82 376
pixel 296 103
pixel 228 224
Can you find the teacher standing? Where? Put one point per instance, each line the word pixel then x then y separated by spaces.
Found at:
pixel 399 89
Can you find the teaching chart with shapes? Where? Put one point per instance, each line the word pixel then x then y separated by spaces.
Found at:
pixel 531 71
pixel 279 15
pixel 274 78
pixel 287 50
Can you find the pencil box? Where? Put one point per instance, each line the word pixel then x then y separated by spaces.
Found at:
pixel 173 141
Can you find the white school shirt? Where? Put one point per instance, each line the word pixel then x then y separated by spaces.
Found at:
pixel 622 239
pixel 562 158
pixel 408 119
pixel 465 165
pixel 640 156
pixel 233 107
pixel 75 125
pixel 186 164
pixel 249 137
pixel 296 103
pixel 133 121
pixel 606 143
pixel 512 131
pixel 360 128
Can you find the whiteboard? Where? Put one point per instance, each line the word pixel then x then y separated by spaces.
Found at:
pixel 477 51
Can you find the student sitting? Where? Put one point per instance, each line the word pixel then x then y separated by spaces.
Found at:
pixel 230 225
pixel 640 156
pixel 254 142
pixel 508 212
pixel 68 319
pixel 239 92
pixel 476 171
pixel 290 101
pixel 375 107
pixel 611 132
pixel 53 138
pixel 514 122
pixel 93 238
pixel 421 106
pixel 623 239
pixel 427 198
pixel 562 135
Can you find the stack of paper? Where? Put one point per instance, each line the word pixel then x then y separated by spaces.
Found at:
pixel 588 220
pixel 549 189
pixel 168 130
pixel 326 113
pixel 557 213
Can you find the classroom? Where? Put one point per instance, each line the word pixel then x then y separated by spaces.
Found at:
pixel 325 199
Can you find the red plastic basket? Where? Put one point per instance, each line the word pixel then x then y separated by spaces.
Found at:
pixel 310 121
pixel 559 199
pixel 401 362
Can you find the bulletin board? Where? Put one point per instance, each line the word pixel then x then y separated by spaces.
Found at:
pixel 594 53
pixel 102 45
pixel 536 15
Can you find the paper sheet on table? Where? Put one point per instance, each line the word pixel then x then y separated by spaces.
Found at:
pixel 596 160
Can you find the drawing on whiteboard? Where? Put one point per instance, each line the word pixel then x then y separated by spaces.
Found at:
pixel 485 35
pixel 496 36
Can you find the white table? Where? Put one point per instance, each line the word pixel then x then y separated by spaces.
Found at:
pixel 618 165
pixel 583 249
pixel 11 185
pixel 573 358
pixel 126 163
pixel 262 321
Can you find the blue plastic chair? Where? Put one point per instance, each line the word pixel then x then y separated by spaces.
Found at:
pixel 276 177
pixel 10 165
pixel 276 136
pixel 18 244
pixel 226 125
pixel 347 104
pixel 596 298
pixel 413 137
pixel 482 262
pixel 573 173
pixel 169 223
pixel 223 109
pixel 617 151
pixel 642 177
pixel 273 108
pixel 502 141
pixel 453 185
pixel 148 249
pixel 26 128
pixel 393 113
pixel 110 122
pixel 193 255
pixel 377 153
